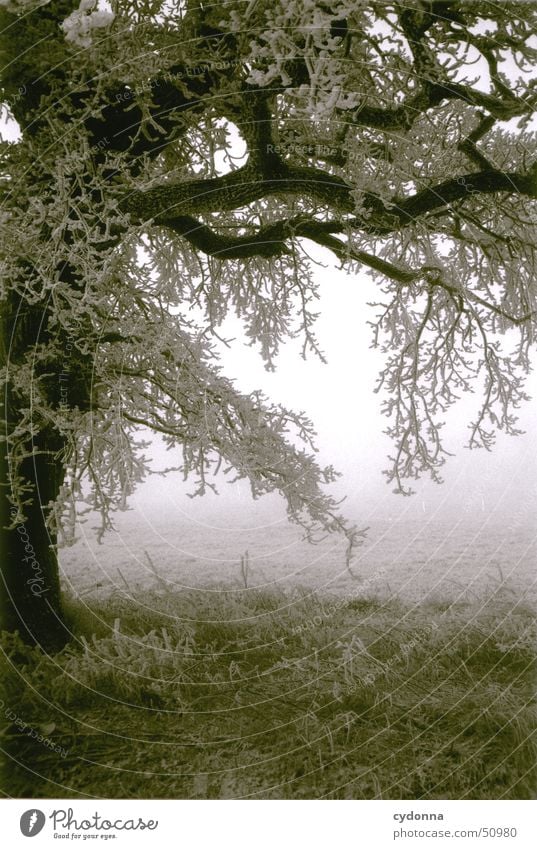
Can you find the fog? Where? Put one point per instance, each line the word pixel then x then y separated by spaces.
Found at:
pixel 339 398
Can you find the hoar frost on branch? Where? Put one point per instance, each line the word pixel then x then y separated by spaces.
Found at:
pixel 91 15
pixel 382 132
pixel 21 7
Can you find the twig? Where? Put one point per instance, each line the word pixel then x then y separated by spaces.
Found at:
pixel 153 568
pixel 245 567
pixel 123 579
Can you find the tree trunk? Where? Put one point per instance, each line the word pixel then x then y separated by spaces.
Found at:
pixel 31 600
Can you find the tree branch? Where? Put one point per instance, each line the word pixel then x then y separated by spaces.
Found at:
pixel 234 190
pixel 171 203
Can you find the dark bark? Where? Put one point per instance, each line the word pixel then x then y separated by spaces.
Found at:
pixel 30 588
pixel 31 598
pixel 174 206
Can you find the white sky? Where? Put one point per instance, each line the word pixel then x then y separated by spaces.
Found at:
pixel 339 397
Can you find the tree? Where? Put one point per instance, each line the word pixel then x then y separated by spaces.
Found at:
pixel 179 154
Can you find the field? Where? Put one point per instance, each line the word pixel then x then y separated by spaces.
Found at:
pixel 235 660
pixel 412 560
pixel 265 694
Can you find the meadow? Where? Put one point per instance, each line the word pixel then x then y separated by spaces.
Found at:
pixel 275 694
pixel 416 560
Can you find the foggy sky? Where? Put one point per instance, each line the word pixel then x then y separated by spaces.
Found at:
pixel 339 398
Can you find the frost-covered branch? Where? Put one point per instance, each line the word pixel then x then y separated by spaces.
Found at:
pixel 180 155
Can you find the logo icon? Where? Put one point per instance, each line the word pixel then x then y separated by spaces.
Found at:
pixel 32 822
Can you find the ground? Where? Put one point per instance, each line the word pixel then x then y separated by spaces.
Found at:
pixel 268 694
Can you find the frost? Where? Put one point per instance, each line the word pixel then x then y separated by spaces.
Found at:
pixel 22 7
pixel 91 15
